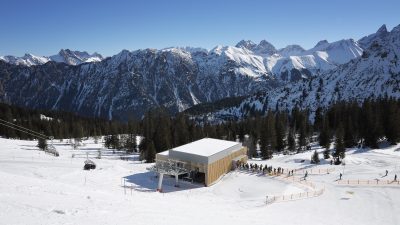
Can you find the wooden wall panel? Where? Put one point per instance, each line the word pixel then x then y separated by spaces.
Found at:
pixel 220 167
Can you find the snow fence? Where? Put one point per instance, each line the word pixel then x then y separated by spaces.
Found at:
pixel 375 182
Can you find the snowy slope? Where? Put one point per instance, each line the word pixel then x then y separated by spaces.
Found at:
pixel 39 189
pixel 291 50
pixel 376 73
pixel 293 62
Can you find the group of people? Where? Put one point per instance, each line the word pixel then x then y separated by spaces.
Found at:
pixel 264 169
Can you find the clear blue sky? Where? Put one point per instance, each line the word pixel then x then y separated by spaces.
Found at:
pixel 43 27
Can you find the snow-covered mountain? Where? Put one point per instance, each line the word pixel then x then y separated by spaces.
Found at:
pixel 26 60
pixel 75 57
pixel 128 84
pixel 291 50
pixel 366 41
pixel 65 56
pixel 376 73
pixel 264 48
pixel 293 62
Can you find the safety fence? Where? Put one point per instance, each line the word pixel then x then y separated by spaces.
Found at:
pixel 370 182
pixel 296 180
pixel 313 171
pixel 291 197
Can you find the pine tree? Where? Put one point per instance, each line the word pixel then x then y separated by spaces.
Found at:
pixel 251 147
pixel 291 141
pixel 280 135
pixel 318 122
pixel 130 143
pixel 268 137
pixel 340 149
pixel 162 134
pixel 42 144
pixel 264 148
pixel 302 137
pixel 326 153
pixel 348 137
pixel 391 120
pixel 324 136
pixel 315 158
pixel 150 152
pixel 371 124
pixel 115 141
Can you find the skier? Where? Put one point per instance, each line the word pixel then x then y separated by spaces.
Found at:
pixel 386 173
pixel 340 176
pixel 395 177
pixel 305 175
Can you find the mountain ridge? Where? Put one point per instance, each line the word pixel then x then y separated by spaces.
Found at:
pixel 129 83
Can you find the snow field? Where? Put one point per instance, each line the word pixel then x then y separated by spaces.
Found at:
pixel 37 188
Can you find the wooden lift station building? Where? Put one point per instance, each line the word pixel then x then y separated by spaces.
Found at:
pixel 204 161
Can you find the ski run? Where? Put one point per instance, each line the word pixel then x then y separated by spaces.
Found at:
pixel 37 188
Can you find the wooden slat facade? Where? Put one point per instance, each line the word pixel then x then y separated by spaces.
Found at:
pixel 220 167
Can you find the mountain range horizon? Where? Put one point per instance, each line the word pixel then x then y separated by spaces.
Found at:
pixel 382 27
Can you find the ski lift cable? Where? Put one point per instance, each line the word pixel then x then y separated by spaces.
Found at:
pixel 27 132
pixel 35 135
pixel 21 127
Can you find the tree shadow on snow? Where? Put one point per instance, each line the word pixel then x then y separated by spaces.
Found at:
pixel 147 182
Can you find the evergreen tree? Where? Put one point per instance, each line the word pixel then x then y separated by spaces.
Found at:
pixel 130 143
pixel 150 152
pixel 371 124
pixel 250 144
pixel 315 158
pixel 162 134
pixel 42 144
pixel 280 135
pixel 391 120
pixel 326 153
pixel 324 136
pixel 264 145
pixel 302 137
pixel 318 122
pixel 340 149
pixel 291 141
pixel 348 137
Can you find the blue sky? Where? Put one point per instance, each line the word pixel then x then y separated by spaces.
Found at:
pixel 43 27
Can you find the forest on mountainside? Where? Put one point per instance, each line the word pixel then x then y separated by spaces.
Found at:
pixel 348 124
